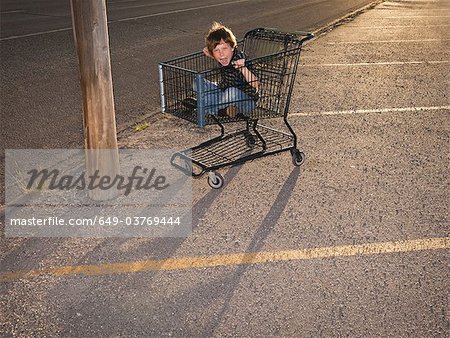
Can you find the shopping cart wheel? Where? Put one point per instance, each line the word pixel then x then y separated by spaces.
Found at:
pixel 298 157
pixel 215 180
pixel 250 140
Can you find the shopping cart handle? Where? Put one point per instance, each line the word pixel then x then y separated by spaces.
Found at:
pixel 307 36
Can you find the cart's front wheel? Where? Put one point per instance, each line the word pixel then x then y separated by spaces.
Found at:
pixel 298 157
pixel 215 180
pixel 250 140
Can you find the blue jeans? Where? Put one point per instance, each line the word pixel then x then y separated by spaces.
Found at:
pixel 215 98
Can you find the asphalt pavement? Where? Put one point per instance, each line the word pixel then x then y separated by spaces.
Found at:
pixel 353 243
pixel 41 101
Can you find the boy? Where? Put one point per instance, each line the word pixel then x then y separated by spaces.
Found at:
pixel 237 90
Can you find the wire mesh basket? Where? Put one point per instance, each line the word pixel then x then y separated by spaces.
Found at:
pixel 272 56
pixel 186 92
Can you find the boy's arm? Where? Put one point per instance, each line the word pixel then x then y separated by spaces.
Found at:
pixel 248 75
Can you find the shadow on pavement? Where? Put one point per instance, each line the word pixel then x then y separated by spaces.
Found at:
pixel 257 243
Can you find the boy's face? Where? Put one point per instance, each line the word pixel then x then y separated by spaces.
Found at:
pixel 223 53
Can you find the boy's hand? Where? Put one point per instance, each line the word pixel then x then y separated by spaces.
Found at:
pixel 206 52
pixel 239 64
pixel 249 76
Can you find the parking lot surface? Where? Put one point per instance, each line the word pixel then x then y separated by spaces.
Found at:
pixel 353 243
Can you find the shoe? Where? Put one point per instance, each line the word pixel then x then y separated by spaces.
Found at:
pixel 222 112
pixel 189 103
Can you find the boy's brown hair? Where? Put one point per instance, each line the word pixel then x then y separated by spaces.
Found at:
pixel 219 32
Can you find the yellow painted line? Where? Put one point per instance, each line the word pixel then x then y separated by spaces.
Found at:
pixel 234 259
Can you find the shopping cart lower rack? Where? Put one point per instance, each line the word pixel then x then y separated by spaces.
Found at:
pixel 186 92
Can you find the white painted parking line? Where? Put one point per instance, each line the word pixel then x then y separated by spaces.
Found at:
pixel 384 41
pixel 11 12
pixel 398 26
pixel 426 1
pixel 35 34
pixel 128 19
pixel 121 1
pixel 393 63
pixel 151 4
pixel 371 111
pixel 416 17
pixel 182 10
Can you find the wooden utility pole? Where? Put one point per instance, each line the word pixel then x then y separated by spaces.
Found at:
pixel 90 30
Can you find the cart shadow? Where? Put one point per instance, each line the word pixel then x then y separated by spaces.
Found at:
pixel 158 248
pixel 219 291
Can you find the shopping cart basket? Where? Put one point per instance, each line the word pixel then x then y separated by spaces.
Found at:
pixel 272 56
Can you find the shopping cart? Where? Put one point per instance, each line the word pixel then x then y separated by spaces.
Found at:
pixel 273 57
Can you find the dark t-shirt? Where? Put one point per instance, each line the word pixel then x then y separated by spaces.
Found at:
pixel 232 77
